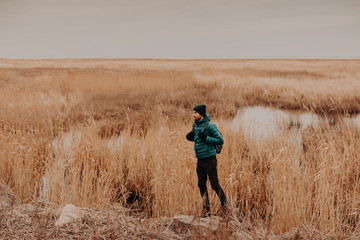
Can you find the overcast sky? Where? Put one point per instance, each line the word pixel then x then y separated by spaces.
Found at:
pixel 179 28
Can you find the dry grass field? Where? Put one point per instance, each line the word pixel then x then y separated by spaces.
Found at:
pixel 100 133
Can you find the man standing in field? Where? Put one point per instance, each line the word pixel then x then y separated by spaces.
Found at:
pixel 205 152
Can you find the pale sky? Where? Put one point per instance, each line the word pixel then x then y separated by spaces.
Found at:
pixel 180 29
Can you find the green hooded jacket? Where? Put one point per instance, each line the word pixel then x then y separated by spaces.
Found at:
pixel 205 149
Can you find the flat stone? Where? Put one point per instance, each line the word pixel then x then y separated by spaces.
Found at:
pixel 182 223
pixel 68 214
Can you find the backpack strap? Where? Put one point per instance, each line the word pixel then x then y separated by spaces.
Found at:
pixel 203 129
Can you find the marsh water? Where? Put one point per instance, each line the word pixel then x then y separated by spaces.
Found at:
pixel 263 123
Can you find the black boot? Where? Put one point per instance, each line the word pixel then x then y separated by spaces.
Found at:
pixel 206 212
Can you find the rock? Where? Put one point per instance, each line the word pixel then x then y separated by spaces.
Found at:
pixel 183 223
pixel 68 214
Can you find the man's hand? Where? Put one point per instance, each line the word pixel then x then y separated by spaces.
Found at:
pixel 202 136
pixel 190 136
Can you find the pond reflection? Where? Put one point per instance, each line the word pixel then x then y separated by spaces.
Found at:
pixel 263 123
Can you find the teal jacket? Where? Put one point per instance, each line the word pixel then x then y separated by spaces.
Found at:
pixel 205 149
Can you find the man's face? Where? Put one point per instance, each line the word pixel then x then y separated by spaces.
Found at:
pixel 197 116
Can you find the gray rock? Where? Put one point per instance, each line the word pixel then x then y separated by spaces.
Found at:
pixel 68 214
pixel 184 223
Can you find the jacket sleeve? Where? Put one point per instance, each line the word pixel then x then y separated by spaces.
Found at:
pixel 214 137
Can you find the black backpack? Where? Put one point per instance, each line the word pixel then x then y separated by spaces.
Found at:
pixel 217 147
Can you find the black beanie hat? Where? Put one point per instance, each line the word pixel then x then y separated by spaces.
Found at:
pixel 201 109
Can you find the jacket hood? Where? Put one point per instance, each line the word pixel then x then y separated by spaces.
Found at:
pixel 204 120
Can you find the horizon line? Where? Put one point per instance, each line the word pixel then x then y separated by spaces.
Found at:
pixel 175 59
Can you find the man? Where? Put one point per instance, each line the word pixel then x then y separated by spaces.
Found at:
pixel 206 157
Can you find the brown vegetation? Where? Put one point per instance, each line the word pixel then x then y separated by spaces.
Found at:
pixel 94 132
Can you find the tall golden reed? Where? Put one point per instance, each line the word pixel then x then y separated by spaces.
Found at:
pixel 92 132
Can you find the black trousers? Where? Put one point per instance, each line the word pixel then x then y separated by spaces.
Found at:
pixel 208 168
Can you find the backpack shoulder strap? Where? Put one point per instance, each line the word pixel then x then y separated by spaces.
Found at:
pixel 203 129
